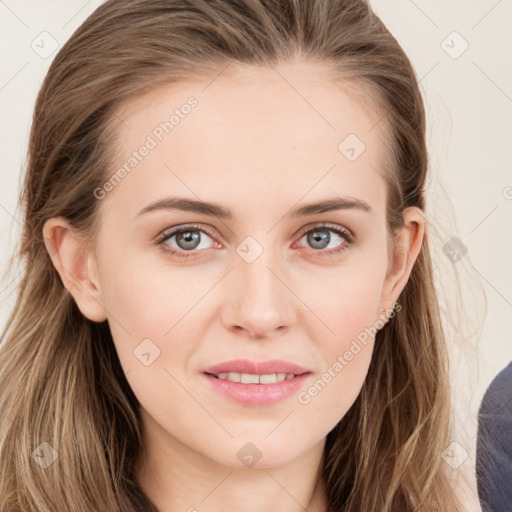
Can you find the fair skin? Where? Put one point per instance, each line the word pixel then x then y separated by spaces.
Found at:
pixel 258 148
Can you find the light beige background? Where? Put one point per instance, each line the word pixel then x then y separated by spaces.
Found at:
pixel 468 96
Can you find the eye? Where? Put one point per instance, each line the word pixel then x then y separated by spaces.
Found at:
pixel 187 239
pixel 319 238
pixel 183 241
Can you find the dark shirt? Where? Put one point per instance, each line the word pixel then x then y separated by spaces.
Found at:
pixel 494 445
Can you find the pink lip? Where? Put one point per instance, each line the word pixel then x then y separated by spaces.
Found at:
pixel 257 394
pixel 255 368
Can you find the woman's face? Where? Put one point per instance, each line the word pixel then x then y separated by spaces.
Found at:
pixel 267 282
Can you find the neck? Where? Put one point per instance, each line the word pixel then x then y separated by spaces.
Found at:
pixel 177 478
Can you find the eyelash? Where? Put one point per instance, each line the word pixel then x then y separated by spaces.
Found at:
pixel 161 239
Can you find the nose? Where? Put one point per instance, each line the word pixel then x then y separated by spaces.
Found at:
pixel 259 301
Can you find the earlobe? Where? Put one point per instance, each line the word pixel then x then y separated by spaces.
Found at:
pixel 75 263
pixel 409 240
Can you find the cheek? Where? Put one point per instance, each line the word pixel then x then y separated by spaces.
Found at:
pixel 146 296
pixel 153 322
pixel 350 309
pixel 346 359
pixel 157 317
pixel 347 301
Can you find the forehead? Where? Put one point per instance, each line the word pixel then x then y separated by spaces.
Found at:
pixel 290 130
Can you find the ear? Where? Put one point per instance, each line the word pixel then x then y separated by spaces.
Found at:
pixel 75 262
pixel 409 240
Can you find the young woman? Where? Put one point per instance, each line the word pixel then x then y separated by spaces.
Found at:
pixel 227 300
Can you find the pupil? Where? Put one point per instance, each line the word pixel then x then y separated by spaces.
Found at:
pixel 188 239
pixel 317 239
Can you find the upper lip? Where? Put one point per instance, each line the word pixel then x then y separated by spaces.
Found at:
pixel 256 368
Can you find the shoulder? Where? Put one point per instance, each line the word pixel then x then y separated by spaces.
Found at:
pixel 494 444
pixel 497 399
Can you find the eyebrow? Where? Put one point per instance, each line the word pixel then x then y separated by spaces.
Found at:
pixel 216 210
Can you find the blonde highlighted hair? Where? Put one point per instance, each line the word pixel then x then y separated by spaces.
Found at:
pixel 60 378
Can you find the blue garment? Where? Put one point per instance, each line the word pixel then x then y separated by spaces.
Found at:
pixel 494 445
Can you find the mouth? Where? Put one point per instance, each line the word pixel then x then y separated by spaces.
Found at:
pixel 256 390
pixel 254 378
pixel 249 370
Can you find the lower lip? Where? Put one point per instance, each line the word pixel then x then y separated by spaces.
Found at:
pixel 258 394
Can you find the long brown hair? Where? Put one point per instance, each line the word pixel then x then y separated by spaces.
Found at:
pixel 60 378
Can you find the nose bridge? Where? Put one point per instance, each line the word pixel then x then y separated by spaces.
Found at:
pixel 260 301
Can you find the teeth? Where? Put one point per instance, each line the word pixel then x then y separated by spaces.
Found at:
pixel 250 378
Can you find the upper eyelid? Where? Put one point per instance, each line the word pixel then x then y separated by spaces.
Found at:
pixel 170 232
pixel 324 225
